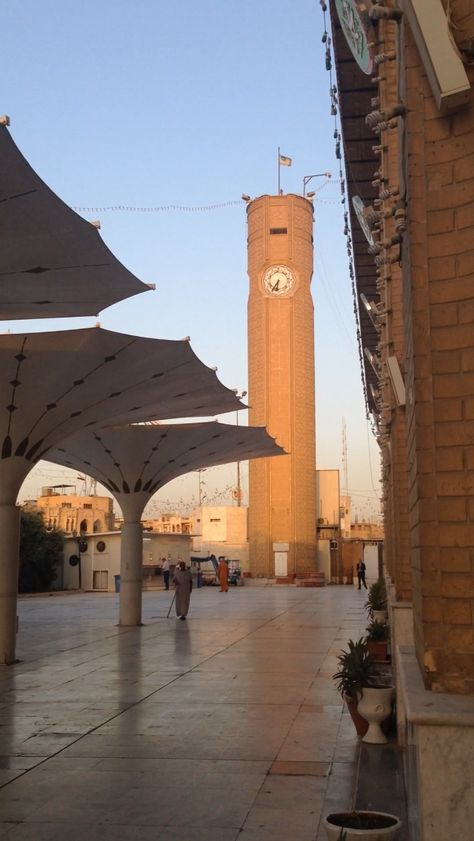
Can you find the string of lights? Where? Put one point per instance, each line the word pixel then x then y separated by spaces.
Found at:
pixel 126 208
pixel 327 201
pixel 334 100
pixel 166 208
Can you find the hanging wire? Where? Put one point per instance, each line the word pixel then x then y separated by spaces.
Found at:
pixel 126 208
pixel 337 136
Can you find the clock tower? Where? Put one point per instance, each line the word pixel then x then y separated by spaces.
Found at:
pixel 282 491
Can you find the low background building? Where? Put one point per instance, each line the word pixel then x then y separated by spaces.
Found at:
pixel 221 530
pixel 73 512
pixel 92 561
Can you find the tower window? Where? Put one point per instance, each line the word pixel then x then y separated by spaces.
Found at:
pixel 278 230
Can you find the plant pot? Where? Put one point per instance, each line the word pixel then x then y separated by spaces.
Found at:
pixel 379 616
pixel 378 649
pixel 375 705
pixel 361 724
pixel 362 826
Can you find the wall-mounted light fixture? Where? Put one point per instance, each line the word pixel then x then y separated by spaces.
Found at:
pixel 443 65
pixel 371 358
pixel 396 380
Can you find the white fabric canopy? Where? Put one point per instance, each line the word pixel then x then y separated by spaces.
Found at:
pixel 53 384
pixel 52 262
pixel 140 459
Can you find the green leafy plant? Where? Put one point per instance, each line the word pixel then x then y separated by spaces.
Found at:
pixel 357 668
pixel 41 553
pixel 377 632
pixel 376 597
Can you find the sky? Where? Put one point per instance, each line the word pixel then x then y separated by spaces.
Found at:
pixel 151 104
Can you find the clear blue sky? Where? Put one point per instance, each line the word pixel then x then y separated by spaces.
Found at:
pixel 152 104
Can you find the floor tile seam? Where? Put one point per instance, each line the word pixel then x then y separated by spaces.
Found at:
pixel 248 634
pixel 165 827
pixel 327 677
pixel 351 805
pixel 84 735
pixel 146 697
pixel 132 705
pixel 173 758
pixel 65 651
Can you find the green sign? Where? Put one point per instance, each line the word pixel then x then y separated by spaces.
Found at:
pixel 355 24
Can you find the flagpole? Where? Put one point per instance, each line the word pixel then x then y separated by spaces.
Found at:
pixel 278 170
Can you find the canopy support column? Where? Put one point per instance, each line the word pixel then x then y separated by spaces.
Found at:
pixel 9 543
pixel 131 575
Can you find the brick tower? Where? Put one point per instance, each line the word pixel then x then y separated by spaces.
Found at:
pixel 282 491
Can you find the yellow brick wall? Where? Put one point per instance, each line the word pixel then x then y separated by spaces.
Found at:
pixel 394 454
pixel 438 297
pixel 282 503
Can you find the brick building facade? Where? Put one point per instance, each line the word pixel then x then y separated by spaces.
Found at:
pixel 408 133
pixel 282 491
pixel 73 512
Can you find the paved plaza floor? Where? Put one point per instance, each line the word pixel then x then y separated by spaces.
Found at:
pixel 225 726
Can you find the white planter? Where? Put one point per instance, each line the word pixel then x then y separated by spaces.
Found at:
pixel 383 833
pixel 375 706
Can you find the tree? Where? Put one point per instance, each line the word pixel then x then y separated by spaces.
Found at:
pixel 41 553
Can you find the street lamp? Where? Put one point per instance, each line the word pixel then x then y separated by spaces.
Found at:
pixel 307 179
pixel 239 492
pixel 81 547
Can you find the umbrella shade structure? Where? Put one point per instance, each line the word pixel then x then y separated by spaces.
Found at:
pixel 53 384
pixel 53 263
pixel 133 462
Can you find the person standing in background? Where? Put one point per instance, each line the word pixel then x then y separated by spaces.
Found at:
pixel 223 573
pixel 165 568
pixel 361 574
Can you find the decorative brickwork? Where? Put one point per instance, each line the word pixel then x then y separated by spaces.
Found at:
pixel 394 453
pixel 438 272
pixel 282 503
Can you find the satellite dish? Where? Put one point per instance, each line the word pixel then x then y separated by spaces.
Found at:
pixel 360 211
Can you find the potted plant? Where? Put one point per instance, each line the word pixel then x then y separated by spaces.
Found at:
pixel 357 668
pixel 376 603
pixel 362 826
pixel 377 640
pixel 366 689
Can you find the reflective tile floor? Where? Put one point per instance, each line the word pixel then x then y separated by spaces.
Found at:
pixel 222 727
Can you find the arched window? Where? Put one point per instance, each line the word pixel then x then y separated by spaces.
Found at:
pixel 83 526
pixel 97 526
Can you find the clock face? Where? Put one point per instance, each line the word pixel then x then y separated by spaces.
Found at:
pixel 278 280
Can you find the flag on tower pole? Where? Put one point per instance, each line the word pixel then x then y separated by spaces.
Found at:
pixel 283 160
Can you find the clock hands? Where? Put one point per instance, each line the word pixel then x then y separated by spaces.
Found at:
pixel 278 280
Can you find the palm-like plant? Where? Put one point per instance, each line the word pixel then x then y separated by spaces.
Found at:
pixel 376 597
pixel 377 631
pixel 357 668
